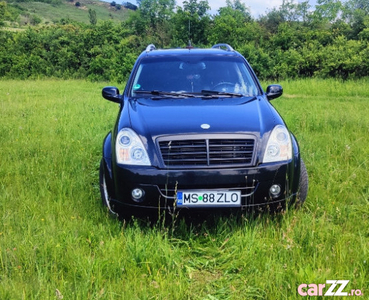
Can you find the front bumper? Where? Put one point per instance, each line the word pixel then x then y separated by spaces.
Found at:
pixel 160 186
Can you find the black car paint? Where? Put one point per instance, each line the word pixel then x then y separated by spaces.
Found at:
pixel 153 119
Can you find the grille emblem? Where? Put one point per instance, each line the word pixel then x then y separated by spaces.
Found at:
pixel 205 126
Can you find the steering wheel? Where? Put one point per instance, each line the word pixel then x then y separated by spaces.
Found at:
pixel 224 86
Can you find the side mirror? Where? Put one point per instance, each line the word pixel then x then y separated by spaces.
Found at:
pixel 274 91
pixel 111 93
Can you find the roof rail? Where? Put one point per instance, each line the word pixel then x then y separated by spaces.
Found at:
pixel 150 48
pixel 221 46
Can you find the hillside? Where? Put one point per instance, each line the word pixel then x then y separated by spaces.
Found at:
pixel 33 13
pixel 286 43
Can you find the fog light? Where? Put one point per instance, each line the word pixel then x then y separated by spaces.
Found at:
pixel 137 195
pixel 275 190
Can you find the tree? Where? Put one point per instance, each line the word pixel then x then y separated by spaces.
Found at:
pixel 192 23
pixel 353 5
pixel 271 20
pixel 229 26
pixel 237 6
pixel 35 20
pixel 196 8
pixel 156 10
pixel 355 13
pixel 92 16
pixel 152 21
pixel 3 11
pixel 328 10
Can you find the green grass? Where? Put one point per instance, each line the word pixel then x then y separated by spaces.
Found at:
pixel 56 239
pixel 68 10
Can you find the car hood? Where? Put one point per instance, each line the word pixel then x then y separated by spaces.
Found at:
pixel 195 116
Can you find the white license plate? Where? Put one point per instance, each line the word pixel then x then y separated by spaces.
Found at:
pixel 208 198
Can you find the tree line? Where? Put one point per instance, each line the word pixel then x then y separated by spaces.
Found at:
pixel 291 41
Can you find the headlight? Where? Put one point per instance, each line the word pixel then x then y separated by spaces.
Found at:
pixel 130 149
pixel 279 146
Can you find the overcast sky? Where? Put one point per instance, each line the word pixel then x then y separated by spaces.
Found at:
pixel 257 7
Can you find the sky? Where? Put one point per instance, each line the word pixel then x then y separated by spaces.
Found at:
pixel 257 7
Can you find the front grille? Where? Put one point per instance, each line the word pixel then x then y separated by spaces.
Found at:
pixel 207 152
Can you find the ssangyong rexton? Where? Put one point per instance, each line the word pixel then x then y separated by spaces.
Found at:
pixel 195 130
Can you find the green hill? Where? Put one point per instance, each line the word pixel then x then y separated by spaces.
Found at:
pixel 33 13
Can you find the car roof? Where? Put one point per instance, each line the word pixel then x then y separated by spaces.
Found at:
pixel 215 50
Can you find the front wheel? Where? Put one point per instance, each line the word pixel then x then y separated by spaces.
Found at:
pixel 303 185
pixel 104 191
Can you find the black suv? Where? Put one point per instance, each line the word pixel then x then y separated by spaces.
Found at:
pixel 195 130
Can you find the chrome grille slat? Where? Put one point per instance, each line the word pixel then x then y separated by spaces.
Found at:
pixel 207 152
pixel 185 153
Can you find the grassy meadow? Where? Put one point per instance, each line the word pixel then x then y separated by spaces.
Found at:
pixel 67 10
pixel 58 242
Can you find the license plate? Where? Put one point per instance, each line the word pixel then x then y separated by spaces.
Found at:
pixel 209 198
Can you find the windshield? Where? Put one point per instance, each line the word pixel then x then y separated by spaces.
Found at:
pixel 193 74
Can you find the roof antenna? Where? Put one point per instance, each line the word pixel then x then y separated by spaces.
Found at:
pixel 189 35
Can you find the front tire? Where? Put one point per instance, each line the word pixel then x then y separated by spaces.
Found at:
pixel 104 191
pixel 303 185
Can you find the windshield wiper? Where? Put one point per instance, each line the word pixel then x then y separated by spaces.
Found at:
pixel 217 93
pixel 165 94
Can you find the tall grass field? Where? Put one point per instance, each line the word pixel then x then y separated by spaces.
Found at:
pixel 58 242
